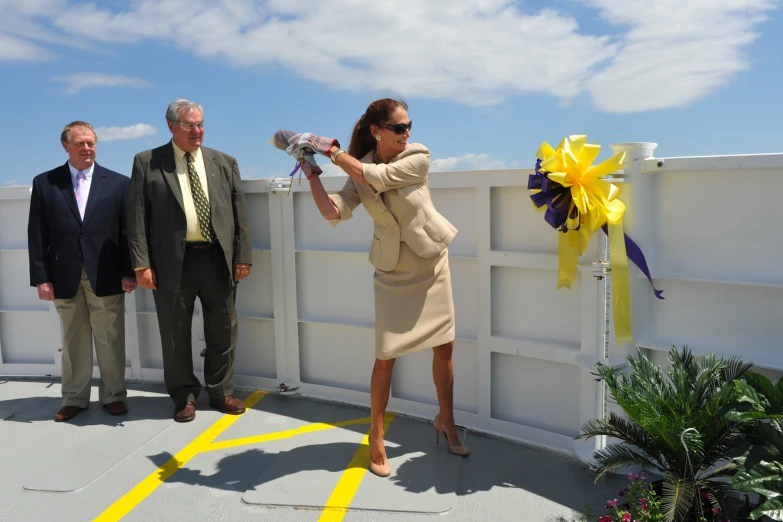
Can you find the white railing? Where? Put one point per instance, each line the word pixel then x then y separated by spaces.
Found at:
pixel 524 350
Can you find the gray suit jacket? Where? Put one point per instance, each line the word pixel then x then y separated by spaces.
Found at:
pixel 156 220
pixel 397 197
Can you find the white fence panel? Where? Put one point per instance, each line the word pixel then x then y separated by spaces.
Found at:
pixel 524 349
pixel 716 251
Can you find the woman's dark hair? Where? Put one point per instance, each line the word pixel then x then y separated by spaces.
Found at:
pixel 378 113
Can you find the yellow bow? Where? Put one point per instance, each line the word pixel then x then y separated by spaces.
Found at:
pixel 593 204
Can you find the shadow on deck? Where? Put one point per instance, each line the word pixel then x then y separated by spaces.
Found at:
pixel 284 459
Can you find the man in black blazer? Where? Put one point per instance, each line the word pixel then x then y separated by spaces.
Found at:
pixel 79 259
pixel 189 236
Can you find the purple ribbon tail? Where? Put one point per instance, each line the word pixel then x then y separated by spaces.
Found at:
pixel 635 254
pixel 298 165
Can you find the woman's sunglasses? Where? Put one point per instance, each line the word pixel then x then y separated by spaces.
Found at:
pixel 400 128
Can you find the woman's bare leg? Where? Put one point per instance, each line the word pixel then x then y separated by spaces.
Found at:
pixel 443 377
pixel 380 387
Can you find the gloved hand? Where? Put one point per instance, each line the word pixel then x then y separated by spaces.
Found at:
pixel 311 141
pixel 309 166
pixel 303 148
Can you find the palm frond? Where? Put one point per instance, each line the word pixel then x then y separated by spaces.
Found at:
pixel 678 497
pixel 616 456
pixel 736 369
pixel 726 471
pixel 618 427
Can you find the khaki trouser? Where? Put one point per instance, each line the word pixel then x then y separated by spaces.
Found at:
pixel 84 319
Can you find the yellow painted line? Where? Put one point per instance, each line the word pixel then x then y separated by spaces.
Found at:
pixel 143 489
pixel 280 435
pixel 342 495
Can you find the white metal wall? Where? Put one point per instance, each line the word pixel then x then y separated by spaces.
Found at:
pixel 524 350
pixel 715 246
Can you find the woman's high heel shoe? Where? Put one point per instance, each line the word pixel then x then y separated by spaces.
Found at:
pixel 460 449
pixel 382 470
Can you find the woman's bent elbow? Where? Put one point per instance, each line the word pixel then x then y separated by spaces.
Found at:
pixel 329 216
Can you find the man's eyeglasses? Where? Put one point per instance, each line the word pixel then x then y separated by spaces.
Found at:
pixel 400 128
pixel 191 126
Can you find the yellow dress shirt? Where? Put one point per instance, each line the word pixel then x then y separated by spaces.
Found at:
pixel 193 231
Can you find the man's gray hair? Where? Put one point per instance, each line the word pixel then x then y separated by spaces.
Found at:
pixel 181 105
pixel 65 135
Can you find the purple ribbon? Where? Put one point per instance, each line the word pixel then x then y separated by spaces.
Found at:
pixel 295 169
pixel 557 199
pixel 555 196
pixel 635 254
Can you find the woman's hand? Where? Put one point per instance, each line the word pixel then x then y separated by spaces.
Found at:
pixel 319 144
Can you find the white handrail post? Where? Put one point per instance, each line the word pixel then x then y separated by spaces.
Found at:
pixel 639 195
pixel 283 254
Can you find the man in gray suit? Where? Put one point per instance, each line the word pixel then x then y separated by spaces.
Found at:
pixel 189 236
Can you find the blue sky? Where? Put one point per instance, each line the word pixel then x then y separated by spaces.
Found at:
pixel 487 81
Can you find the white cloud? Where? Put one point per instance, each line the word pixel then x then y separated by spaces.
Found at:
pixel 12 48
pixel 676 52
pixel 80 81
pixel 668 53
pixel 468 162
pixel 476 52
pixel 125 133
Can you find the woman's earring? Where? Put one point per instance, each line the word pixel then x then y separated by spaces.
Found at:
pixel 377 137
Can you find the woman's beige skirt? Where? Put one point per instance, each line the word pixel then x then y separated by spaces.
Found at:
pixel 414 309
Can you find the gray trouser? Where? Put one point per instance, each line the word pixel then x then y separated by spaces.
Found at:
pixel 203 276
pixel 86 318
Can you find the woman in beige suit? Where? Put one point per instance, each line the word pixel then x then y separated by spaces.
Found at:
pixel 414 309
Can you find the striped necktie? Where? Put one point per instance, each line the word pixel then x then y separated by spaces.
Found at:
pixel 200 201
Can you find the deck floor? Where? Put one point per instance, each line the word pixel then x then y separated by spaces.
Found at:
pixel 285 459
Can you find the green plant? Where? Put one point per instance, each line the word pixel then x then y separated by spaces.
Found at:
pixel 676 428
pixel 636 503
pixel 761 465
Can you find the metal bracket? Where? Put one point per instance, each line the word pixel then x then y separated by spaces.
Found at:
pixel 276 185
pixel 601 269
pixel 288 389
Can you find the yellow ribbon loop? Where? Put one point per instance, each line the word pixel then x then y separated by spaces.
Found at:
pixel 593 204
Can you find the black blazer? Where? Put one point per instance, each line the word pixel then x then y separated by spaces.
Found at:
pixel 59 242
pixel 156 216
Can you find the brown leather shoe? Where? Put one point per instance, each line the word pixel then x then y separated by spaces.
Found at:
pixel 116 408
pixel 186 414
pixel 228 404
pixel 67 413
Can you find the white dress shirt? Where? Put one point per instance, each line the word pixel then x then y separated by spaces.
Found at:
pixel 87 182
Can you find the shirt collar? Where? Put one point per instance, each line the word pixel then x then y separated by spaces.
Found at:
pixel 180 154
pixel 87 172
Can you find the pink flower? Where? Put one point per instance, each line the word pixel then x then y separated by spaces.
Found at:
pixel 611 503
pixel 605 519
pixel 633 477
pixel 627 517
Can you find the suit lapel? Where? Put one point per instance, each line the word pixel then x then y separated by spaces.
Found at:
pixel 66 186
pixel 96 189
pixel 169 168
pixel 211 170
